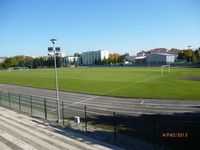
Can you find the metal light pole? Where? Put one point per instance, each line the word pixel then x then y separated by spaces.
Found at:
pixel 189 48
pixel 54 50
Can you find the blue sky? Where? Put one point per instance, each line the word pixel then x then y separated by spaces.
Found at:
pixel 26 26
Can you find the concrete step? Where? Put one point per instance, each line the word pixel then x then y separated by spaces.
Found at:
pixel 29 133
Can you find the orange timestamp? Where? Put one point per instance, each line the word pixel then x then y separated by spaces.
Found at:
pixel 175 135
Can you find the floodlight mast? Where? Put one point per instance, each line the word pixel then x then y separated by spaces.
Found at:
pixel 53 40
pixel 56 76
pixel 189 48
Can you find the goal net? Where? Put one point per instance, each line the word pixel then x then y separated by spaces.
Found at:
pixel 165 67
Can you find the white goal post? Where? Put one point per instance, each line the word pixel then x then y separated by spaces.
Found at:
pixel 165 66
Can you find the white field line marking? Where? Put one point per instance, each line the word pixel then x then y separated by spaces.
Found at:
pixel 83 101
pixel 110 92
pixel 16 141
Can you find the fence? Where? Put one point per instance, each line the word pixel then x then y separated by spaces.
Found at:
pixel 151 132
pixel 35 106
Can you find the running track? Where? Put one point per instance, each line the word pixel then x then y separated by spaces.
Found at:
pixel 106 105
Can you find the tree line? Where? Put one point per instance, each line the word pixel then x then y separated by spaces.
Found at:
pixel 30 62
pixel 189 56
pixel 112 59
pixel 48 61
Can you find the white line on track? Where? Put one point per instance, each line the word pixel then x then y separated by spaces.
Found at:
pixel 110 91
pixel 110 102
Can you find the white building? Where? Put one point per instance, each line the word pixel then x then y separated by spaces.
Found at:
pixel 75 60
pixel 88 58
pixel 2 59
pixel 161 58
pixel 141 59
pixel 60 54
pixel 130 58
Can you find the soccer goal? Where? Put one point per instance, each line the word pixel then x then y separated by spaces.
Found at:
pixel 163 68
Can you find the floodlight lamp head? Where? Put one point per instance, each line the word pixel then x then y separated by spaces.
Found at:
pixel 50 49
pixel 53 40
pixel 57 49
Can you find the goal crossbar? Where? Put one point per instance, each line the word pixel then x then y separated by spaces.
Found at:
pixel 165 66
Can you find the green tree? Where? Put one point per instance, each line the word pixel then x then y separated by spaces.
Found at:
pixel 35 63
pixel 122 57
pixel 58 61
pixel 194 58
pixel 113 58
pixel 181 56
pixel 185 55
pixel 197 53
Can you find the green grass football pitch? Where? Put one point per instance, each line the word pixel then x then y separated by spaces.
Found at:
pixel 180 83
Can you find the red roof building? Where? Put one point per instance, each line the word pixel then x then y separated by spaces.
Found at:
pixel 143 53
pixel 158 50
pixel 173 51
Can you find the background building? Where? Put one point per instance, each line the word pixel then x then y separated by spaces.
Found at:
pixel 71 60
pixel 161 58
pixel 130 59
pixel 157 56
pixel 158 50
pixel 143 53
pixel 60 54
pixel 2 59
pixel 89 58
pixel 141 57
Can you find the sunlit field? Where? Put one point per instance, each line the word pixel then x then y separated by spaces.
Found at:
pixel 180 83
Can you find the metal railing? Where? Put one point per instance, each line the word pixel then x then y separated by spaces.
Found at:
pixel 146 131
pixel 32 105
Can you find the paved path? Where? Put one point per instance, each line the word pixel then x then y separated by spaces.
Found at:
pixel 106 105
pixel 20 132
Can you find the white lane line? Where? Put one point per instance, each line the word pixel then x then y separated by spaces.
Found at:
pixel 16 141
pixel 99 104
pixel 139 105
pixel 139 111
pixel 119 102
pixel 110 91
